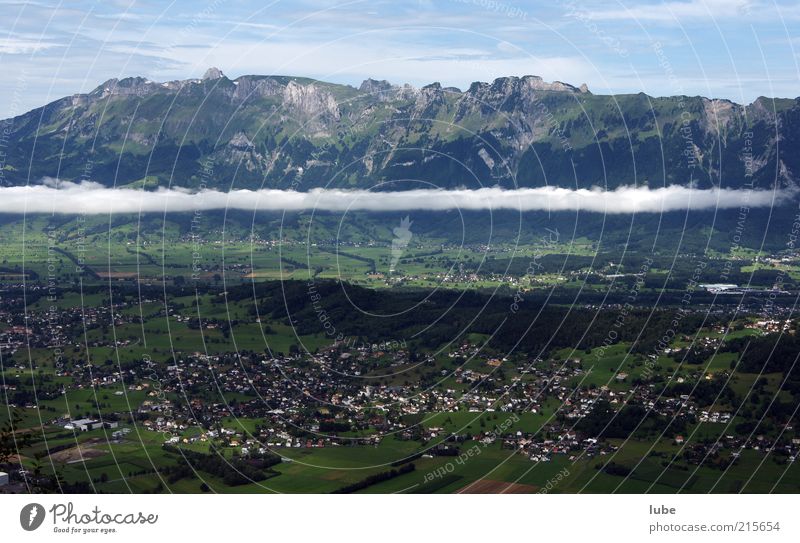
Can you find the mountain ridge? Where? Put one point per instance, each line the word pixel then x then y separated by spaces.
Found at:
pixel 294 132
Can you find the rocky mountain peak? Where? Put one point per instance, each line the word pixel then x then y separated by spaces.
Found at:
pixel 213 73
pixel 382 90
pixel 139 86
pixel 374 86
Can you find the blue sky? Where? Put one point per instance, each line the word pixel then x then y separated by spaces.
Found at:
pixel 736 49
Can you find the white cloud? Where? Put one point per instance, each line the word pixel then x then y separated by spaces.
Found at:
pixel 19 46
pixel 93 198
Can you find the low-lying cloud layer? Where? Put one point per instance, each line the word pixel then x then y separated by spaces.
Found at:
pixel 93 198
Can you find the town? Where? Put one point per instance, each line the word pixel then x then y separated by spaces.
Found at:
pixel 574 407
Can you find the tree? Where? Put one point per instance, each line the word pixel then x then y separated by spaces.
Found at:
pixel 10 440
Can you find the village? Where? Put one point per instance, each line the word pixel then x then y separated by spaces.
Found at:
pixel 359 394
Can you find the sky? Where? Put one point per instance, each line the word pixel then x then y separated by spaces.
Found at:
pixel 734 49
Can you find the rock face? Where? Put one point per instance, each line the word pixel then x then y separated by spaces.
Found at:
pixel 429 100
pixel 271 130
pixel 311 102
pixel 249 87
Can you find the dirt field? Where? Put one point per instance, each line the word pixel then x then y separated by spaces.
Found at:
pixel 77 454
pixel 488 486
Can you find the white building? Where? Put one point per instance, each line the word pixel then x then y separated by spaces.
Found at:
pixel 86 425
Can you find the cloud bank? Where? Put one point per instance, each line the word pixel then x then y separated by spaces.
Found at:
pixel 93 198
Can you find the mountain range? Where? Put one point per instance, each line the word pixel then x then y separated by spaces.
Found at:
pixel 293 132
